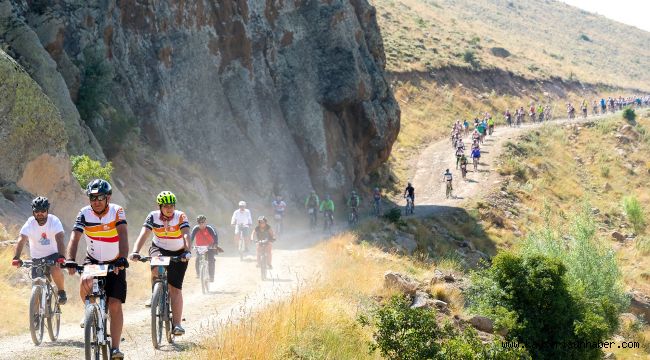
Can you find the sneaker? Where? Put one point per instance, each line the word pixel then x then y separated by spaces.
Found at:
pixel 147 303
pixel 117 354
pixel 63 298
pixel 178 330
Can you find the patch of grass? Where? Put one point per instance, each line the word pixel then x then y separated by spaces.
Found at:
pixel 635 213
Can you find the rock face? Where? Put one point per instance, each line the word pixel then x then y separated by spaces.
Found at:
pixel 275 95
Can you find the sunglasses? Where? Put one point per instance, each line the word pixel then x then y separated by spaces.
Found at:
pixel 97 197
pixel 39 211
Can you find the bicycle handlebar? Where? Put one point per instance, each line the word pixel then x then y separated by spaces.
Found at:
pixel 171 258
pixel 32 263
pixel 80 268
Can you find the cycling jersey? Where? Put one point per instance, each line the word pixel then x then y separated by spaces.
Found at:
pixel 312 201
pixel 205 237
pixel 410 190
pixel 327 205
pixel 354 201
pixel 279 206
pixel 101 231
pixel 42 242
pixel 167 232
pixel 476 153
pixel 241 217
pixel 448 176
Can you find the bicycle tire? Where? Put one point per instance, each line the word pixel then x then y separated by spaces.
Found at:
pixel 204 276
pixel 156 315
pixel 53 316
pixel 91 342
pixel 35 318
pixel 263 263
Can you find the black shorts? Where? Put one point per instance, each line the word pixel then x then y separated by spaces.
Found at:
pixel 175 270
pixel 115 286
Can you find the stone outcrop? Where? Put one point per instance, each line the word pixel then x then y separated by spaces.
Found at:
pixel 272 95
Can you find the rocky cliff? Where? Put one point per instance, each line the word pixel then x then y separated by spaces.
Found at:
pixel 265 95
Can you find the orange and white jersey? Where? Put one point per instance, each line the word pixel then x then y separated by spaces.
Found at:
pixel 103 242
pixel 167 232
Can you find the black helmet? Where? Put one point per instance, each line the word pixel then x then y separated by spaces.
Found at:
pixel 99 187
pixel 40 203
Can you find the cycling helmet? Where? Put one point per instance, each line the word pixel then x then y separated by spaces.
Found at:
pixel 376 189
pixel 99 187
pixel 242 203
pixel 262 218
pixel 40 203
pixel 409 184
pixel 166 197
pixel 201 218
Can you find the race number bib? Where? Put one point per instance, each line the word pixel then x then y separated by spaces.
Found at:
pixel 95 270
pixel 160 260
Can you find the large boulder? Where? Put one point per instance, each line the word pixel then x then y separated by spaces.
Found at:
pixel 403 283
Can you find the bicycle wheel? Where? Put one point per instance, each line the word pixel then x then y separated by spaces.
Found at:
pixel 263 263
pixel 242 247
pixel 91 342
pixel 168 322
pixel 53 316
pixel 204 276
pixel 157 315
pixel 35 315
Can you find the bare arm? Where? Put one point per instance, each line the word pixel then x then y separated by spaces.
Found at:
pixel 72 245
pixel 19 246
pixel 145 233
pixel 124 240
pixel 60 246
pixel 186 238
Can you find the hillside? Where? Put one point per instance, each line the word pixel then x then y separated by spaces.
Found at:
pixel 539 39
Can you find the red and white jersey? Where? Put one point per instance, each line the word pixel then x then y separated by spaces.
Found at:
pixel 101 232
pixel 167 232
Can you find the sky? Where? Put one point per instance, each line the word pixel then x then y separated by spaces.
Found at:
pixel 630 12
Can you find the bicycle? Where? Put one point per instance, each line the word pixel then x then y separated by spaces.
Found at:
pixel 376 208
pixel 161 307
pixel 263 260
pixel 44 305
pixel 328 221
pixel 242 231
pixel 463 170
pixel 449 189
pixel 475 163
pixel 353 218
pixel 96 338
pixel 409 205
pixel 202 259
pixel 312 218
pixel 278 223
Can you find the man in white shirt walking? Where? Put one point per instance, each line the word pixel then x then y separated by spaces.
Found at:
pixel 44 233
pixel 242 221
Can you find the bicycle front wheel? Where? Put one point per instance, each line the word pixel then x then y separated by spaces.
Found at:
pixel 157 311
pixel 263 264
pixel 91 341
pixel 53 316
pixel 204 276
pixel 35 315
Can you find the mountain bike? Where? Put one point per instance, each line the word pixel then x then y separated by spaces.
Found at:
pixel 161 307
pixel 376 208
pixel 242 231
pixel 475 163
pixel 44 303
pixel 264 264
pixel 312 218
pixel 449 189
pixel 328 221
pixel 97 341
pixel 278 223
pixel 353 217
pixel 409 206
pixel 463 170
pixel 202 259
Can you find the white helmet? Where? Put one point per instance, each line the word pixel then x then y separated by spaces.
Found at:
pixel 242 203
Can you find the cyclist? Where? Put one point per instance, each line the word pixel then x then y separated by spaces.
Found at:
pixel 447 177
pixel 263 232
pixel 103 224
pixel 508 117
pixel 327 208
pixel 242 220
pixel 171 237
pixel 312 204
pixel 476 155
pixel 410 192
pixel 463 165
pixel 466 127
pixel 460 151
pixel 279 206
pixel 354 201
pixel 376 196
pixel 205 235
pixel 44 233
pixel 490 124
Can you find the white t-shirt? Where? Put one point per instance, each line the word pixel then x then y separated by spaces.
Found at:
pixel 41 238
pixel 242 217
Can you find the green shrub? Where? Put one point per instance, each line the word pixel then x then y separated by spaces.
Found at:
pixel 531 296
pixel 394 216
pixel 402 333
pixel 85 169
pixel 95 84
pixel 634 213
pixel 604 171
pixel 629 114
pixel 470 57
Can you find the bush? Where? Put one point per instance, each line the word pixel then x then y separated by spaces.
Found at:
pixel 394 216
pixel 95 84
pixel 629 114
pixel 402 333
pixel 470 57
pixel 530 295
pixel 85 169
pixel 634 213
pixel 604 171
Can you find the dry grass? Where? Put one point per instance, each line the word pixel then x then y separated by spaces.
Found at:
pixel 422 35
pixel 319 320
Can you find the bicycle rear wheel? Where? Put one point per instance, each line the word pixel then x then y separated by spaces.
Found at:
pixel 35 316
pixel 156 315
pixel 53 316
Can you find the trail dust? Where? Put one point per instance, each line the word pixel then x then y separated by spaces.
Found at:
pixel 236 291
